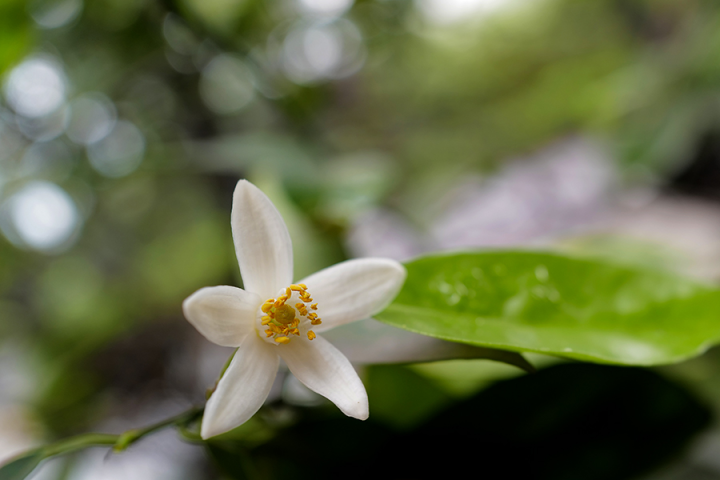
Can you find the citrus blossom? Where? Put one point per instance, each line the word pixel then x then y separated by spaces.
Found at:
pixel 273 318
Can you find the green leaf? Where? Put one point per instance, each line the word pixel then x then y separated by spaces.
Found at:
pixel 22 466
pixel 548 303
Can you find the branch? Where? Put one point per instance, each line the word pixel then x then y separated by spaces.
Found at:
pixel 25 463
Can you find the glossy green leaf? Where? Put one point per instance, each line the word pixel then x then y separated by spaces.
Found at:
pixel 548 303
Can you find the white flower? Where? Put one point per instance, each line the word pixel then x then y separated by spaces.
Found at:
pixel 274 318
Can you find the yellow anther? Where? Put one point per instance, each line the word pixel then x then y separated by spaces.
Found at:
pixel 282 320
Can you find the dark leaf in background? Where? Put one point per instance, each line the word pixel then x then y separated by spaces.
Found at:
pixel 569 421
pixel 21 467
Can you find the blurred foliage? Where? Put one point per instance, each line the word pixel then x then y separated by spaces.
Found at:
pixel 567 421
pixel 412 109
pixel 15 32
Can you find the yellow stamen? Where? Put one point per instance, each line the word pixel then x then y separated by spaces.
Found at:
pixel 282 320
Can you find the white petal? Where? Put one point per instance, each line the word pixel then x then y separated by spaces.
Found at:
pixel 373 342
pixel 354 290
pixel 243 388
pixel 262 242
pixel 324 370
pixel 224 315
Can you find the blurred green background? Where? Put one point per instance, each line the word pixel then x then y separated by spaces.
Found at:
pixel 378 127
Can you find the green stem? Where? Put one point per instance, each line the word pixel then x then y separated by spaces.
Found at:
pixel 118 442
pixel 131 436
pixel 79 442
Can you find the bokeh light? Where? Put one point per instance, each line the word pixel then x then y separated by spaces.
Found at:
pixel 178 35
pixel 41 216
pixel 446 12
pixel 44 128
pixel 322 51
pixel 36 87
pixel 329 8
pixel 120 152
pixel 93 117
pixel 54 13
pixel 226 85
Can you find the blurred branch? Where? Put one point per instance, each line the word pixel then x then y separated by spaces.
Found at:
pixel 26 462
pixel 126 439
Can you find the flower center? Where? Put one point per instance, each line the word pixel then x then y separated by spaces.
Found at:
pixel 280 318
